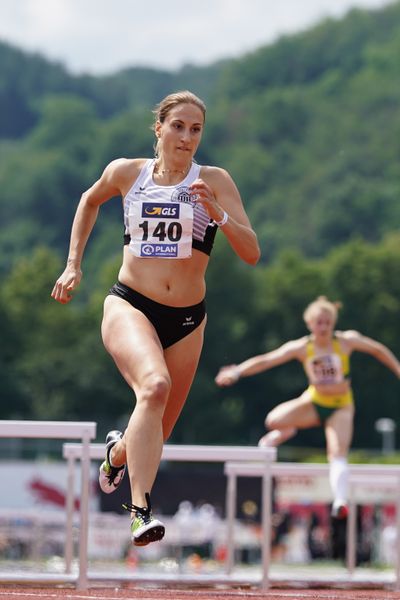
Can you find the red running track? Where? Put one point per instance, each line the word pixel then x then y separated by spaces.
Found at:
pixel 143 593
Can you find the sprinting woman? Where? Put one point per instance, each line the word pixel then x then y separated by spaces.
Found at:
pixel 155 315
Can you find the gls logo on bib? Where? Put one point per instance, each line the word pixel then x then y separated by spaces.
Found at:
pixel 155 211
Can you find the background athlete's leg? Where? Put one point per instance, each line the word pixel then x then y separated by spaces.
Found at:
pixel 284 420
pixel 339 433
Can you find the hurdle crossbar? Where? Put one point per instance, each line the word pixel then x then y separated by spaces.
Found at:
pixel 192 453
pixel 85 431
pixel 360 475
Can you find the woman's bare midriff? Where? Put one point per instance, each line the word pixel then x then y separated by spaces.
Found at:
pixel 173 282
pixel 333 389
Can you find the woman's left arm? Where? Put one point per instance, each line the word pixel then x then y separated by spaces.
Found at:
pixel 362 343
pixel 219 195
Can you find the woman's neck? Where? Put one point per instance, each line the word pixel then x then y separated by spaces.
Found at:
pixel 169 175
pixel 322 341
pixel 162 168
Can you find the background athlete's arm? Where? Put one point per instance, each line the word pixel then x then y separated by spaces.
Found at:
pixel 230 374
pixel 361 343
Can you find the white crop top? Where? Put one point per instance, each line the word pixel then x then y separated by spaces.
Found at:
pixel 162 221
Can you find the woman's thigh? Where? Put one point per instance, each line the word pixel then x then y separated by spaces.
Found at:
pixel 182 359
pixel 132 341
pixel 339 431
pixel 299 413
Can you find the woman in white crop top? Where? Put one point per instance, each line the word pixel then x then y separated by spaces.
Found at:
pixel 154 316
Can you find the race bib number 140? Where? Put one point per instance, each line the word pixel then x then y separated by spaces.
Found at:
pixel 161 229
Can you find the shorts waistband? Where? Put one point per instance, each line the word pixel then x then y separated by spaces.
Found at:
pixel 126 290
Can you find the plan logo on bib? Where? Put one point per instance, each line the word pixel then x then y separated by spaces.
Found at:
pixel 159 250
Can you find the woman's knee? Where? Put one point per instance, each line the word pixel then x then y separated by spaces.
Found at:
pixel 272 422
pixel 335 451
pixel 154 390
pixel 336 447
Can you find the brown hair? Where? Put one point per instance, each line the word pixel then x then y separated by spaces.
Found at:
pixel 321 304
pixel 169 102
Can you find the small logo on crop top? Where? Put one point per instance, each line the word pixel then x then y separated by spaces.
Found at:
pixel 182 194
pixel 155 211
pixel 141 191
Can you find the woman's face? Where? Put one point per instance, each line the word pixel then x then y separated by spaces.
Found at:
pixel 321 324
pixel 180 133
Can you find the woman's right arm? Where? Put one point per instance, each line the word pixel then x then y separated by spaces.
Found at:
pixel 230 374
pixel 85 217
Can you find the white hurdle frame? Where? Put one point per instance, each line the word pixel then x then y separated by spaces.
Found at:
pixel 360 475
pixel 360 480
pixel 85 431
pixel 244 455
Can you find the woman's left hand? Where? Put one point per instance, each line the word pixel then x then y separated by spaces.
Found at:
pixel 202 192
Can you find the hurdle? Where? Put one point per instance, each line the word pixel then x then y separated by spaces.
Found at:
pixel 360 475
pixel 242 455
pixel 85 431
pixel 387 480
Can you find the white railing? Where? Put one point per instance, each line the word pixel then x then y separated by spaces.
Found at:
pixel 244 455
pixel 360 476
pixel 238 462
pixel 63 430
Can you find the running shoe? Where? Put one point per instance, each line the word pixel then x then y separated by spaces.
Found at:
pixel 340 511
pixel 144 527
pixel 110 477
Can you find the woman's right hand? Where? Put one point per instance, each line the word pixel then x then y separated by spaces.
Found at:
pixel 65 284
pixel 227 375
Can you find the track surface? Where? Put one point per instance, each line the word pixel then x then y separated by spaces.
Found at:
pixel 136 593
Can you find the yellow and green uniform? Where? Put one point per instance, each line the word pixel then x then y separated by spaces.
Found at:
pixel 330 368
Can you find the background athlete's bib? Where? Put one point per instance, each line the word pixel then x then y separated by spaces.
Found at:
pixel 326 368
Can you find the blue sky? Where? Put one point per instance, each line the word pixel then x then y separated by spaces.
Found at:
pixel 99 36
